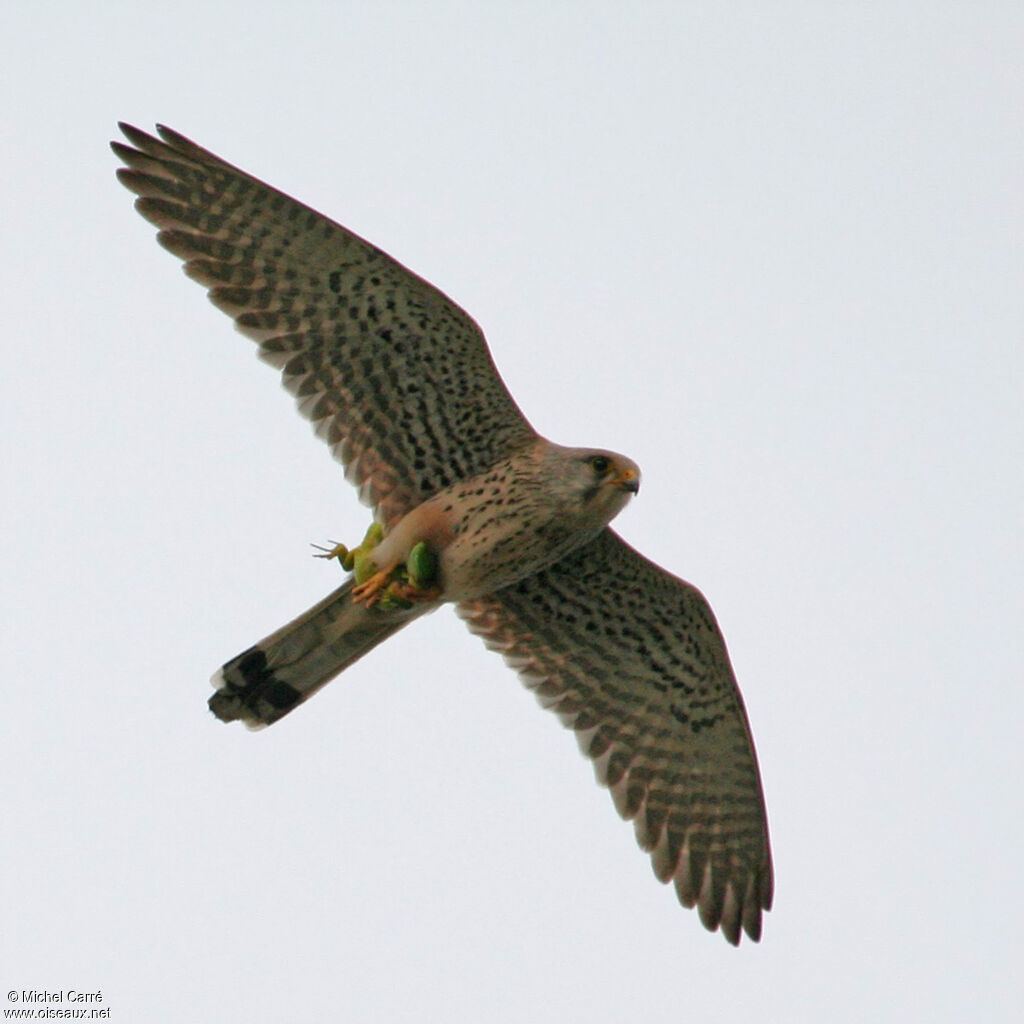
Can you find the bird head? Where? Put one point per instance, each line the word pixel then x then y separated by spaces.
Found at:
pixel 599 483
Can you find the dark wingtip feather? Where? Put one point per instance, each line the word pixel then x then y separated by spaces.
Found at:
pixel 170 136
pixel 125 176
pixel 136 136
pixel 185 147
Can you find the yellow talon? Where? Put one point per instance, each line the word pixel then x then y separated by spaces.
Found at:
pixel 369 590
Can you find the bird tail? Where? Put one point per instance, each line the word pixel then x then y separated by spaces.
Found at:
pixel 264 683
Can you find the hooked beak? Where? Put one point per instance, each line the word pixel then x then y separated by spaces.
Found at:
pixel 628 480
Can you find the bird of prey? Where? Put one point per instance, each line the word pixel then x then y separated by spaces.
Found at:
pixel 399 382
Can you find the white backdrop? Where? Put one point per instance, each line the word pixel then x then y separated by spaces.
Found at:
pixel 772 252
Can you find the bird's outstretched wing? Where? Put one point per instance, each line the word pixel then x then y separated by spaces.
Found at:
pixel 631 658
pixel 396 377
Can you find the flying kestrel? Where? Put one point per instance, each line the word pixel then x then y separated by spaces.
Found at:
pixel 473 508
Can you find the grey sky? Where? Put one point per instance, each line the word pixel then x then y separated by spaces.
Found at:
pixel 773 253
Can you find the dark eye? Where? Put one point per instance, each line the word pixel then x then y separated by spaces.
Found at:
pixel 600 465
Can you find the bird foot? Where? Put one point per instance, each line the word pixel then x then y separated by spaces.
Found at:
pixel 370 591
pixel 406 593
pixel 398 585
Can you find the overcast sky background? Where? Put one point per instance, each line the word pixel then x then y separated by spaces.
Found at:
pixel 771 251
